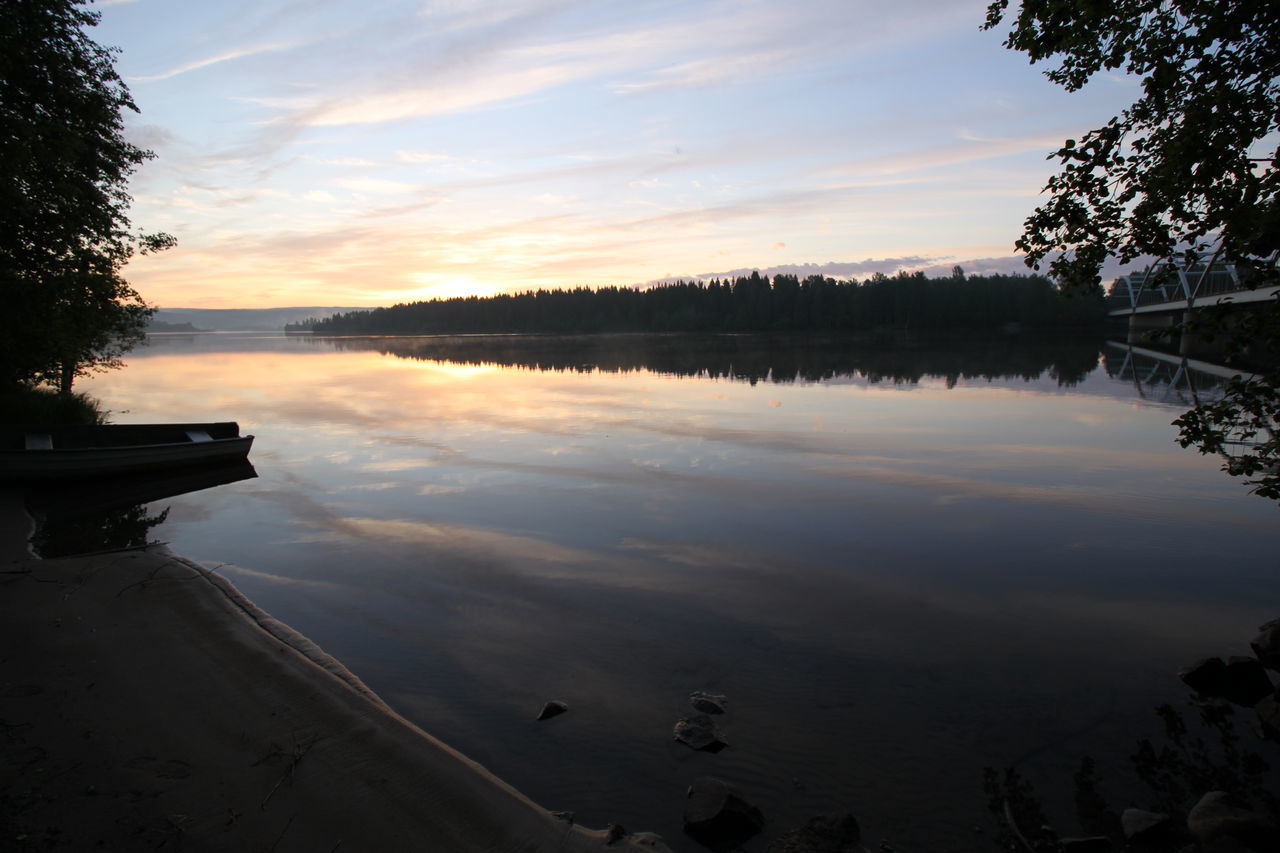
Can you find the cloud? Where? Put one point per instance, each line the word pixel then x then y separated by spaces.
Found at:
pixel 343 161
pixel 405 156
pixel 711 71
pixel 237 53
pixel 969 150
pixel 831 269
pixel 150 135
pixel 1004 265
pixel 463 15
pixel 376 186
pixel 436 100
pixel 499 63
pixel 553 199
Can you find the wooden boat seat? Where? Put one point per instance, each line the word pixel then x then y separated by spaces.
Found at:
pixel 198 435
pixel 39 441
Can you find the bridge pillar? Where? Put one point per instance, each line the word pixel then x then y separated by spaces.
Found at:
pixel 1141 324
pixel 1191 343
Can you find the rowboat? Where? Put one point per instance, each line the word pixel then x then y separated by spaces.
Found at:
pixel 34 453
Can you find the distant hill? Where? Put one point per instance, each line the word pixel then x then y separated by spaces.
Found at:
pixel 160 326
pixel 239 319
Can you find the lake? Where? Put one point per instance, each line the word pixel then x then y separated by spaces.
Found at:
pixel 900 561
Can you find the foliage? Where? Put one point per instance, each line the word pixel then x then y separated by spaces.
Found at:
pixel 1188 172
pixel 41 406
pixel 1175 771
pixel 747 304
pixel 1179 170
pixel 1241 428
pixel 1013 800
pixel 64 228
pixel 1181 769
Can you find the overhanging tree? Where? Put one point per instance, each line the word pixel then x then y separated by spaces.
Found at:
pixel 64 228
pixel 1187 172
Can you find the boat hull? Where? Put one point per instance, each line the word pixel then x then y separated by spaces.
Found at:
pixel 78 452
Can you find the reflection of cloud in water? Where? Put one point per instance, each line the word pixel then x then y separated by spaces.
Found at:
pixel 1103 498
pixel 436 489
pixel 479 544
pixel 859 608
pixel 1093 456
pixel 700 555
pixel 392 466
pixel 186 512
pixel 233 571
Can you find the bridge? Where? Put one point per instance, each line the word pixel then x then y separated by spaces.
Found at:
pixel 1166 378
pixel 1165 294
pixel 1176 380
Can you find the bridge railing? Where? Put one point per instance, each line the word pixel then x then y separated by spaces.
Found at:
pixel 1163 283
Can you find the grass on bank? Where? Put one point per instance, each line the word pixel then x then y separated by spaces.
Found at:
pixel 44 406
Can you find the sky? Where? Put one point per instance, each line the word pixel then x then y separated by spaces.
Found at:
pixel 343 153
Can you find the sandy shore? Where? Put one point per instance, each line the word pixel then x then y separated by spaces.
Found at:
pixel 146 705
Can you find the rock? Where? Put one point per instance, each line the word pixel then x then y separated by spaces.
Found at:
pixel 833 833
pixel 615 832
pixel 1268 722
pixel 707 703
pixel 718 816
pixel 698 732
pixel 650 840
pixel 554 708
pixel 1245 681
pixel 1206 676
pixel 1267 645
pixel 1220 815
pixel 1139 825
pixel 1227 844
pixel 1092 844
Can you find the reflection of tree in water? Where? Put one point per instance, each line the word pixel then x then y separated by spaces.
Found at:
pixel 758 358
pixel 110 513
pixel 1207 784
pixel 64 535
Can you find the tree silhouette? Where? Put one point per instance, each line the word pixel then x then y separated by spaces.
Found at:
pixel 64 227
pixel 747 304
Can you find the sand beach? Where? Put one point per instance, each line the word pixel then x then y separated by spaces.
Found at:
pixel 146 705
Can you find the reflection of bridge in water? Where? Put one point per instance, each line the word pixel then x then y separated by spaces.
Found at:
pixel 1165 295
pixel 1176 380
pixel 1166 378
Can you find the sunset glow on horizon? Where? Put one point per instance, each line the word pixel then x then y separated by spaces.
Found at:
pixel 334 153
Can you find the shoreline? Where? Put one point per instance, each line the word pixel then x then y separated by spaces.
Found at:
pixel 146 702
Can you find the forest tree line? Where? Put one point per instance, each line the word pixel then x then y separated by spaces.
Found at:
pixel 751 303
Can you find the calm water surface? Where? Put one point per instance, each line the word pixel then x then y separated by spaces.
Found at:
pixel 900 563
